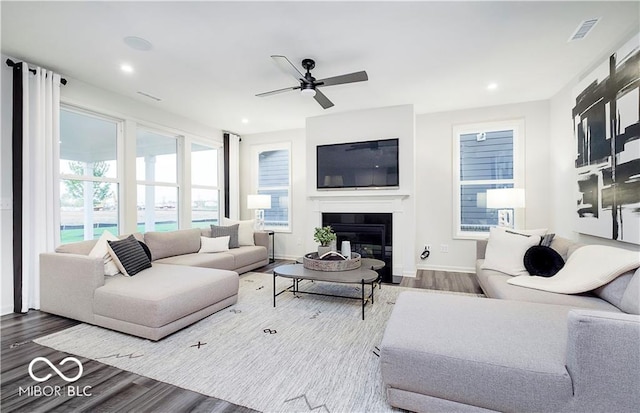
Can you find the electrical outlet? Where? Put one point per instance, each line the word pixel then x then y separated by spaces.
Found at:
pixel 444 248
pixel 5 203
pixel 427 247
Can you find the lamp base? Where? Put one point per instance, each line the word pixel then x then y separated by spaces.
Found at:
pixel 258 223
pixel 505 218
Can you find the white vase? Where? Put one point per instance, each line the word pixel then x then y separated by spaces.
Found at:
pixel 346 249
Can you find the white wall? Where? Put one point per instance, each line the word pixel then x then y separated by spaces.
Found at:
pixel 288 245
pixel 434 178
pixel 6 212
pixel 87 96
pixel 370 124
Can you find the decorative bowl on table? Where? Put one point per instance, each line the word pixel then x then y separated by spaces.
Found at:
pixel 332 261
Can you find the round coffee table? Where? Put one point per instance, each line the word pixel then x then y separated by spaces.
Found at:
pixel 297 273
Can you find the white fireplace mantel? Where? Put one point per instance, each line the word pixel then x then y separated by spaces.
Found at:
pixel 369 195
pixel 350 202
pixel 396 203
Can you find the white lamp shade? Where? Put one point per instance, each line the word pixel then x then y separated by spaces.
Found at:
pixel 258 201
pixel 505 198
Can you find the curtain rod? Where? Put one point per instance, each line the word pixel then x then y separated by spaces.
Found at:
pixel 11 63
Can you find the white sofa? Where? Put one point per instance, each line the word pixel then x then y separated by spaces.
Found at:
pixel 181 287
pixel 523 351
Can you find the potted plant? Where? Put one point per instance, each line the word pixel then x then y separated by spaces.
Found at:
pixel 324 236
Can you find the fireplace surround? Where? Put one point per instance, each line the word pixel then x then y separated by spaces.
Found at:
pixel 370 234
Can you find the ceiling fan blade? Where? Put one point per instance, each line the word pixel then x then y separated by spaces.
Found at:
pixel 338 80
pixel 275 92
pixel 288 67
pixel 322 100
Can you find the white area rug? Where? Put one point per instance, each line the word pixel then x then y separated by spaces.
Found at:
pixel 310 353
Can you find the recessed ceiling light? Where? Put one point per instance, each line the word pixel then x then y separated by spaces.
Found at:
pixel 127 68
pixel 138 43
pixel 245 120
pixel 492 86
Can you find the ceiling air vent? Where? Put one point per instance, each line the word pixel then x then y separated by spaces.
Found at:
pixel 583 29
pixel 150 96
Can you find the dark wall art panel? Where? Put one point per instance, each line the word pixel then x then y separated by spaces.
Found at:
pixel 607 134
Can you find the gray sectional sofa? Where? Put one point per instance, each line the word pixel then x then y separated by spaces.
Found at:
pixel 520 350
pixel 181 287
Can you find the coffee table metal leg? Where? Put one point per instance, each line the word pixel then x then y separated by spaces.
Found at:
pixel 274 288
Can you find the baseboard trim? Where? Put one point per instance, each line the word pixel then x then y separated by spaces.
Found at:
pixel 6 310
pixel 287 257
pixel 445 268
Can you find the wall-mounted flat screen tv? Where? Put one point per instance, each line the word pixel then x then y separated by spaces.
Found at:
pixel 370 164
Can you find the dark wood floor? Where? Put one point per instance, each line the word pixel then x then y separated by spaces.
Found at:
pixel 112 389
pixel 115 390
pixel 443 280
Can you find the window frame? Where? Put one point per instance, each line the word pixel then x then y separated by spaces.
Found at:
pixel 119 180
pixel 256 150
pixel 518 181
pixel 180 165
pixel 189 141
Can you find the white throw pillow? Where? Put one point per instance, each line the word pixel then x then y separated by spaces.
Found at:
pixel 588 268
pixel 218 244
pixel 245 230
pixel 101 250
pixel 506 249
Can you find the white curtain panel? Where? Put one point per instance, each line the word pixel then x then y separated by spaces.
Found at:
pixel 234 177
pixel 41 136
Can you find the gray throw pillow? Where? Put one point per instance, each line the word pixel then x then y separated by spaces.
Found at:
pixel 231 231
pixel 547 239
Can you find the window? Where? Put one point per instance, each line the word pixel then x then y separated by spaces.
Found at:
pixel 273 177
pixel 89 179
pixel 204 186
pixel 157 178
pixel 486 156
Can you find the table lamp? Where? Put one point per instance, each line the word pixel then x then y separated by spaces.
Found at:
pixel 259 203
pixel 504 200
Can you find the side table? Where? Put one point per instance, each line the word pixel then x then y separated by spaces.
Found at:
pixel 272 234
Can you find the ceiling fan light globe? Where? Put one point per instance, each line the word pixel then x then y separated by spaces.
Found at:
pixel 308 92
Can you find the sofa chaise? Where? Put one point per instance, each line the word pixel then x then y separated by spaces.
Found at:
pixel 181 287
pixel 520 350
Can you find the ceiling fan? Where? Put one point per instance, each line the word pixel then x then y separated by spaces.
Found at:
pixel 308 84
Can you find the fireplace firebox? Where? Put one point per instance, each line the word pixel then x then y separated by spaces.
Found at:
pixel 370 235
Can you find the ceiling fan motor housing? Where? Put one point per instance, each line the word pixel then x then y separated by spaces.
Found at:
pixel 308 64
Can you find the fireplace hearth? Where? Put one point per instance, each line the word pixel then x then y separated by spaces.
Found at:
pixel 370 235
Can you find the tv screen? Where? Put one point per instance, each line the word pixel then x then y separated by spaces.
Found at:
pixel 370 164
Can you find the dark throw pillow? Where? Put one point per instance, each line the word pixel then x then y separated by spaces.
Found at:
pixel 231 231
pixel 146 249
pixel 130 257
pixel 543 261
